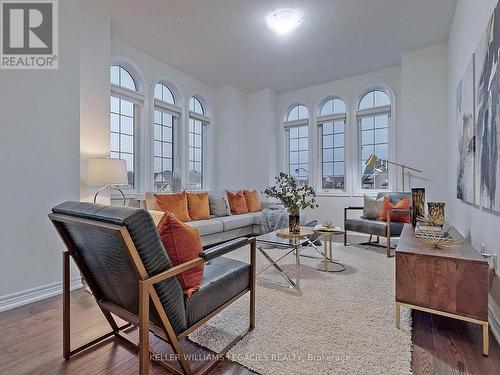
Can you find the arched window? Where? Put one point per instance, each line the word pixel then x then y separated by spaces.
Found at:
pixel 373 113
pixel 165 118
pixel 331 122
pixel 297 142
pixel 123 117
pixel 198 122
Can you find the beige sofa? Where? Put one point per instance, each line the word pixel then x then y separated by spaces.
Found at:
pixel 222 228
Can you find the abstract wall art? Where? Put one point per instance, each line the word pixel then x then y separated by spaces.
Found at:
pixel 488 113
pixel 466 168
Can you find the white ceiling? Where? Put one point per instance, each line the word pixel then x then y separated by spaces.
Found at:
pixel 227 42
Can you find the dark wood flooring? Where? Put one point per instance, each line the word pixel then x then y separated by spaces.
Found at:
pixel 31 343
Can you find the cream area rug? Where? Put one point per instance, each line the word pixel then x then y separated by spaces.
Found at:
pixel 339 323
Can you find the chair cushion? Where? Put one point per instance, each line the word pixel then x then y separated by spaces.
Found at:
pixel 198 206
pixel 182 244
pixel 237 203
pixel 374 227
pixel 223 279
pixel 237 221
pixel 205 227
pixel 176 204
pixel 253 200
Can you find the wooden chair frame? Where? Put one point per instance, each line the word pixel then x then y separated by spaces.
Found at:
pixel 147 293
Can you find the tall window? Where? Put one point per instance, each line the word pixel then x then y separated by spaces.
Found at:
pixel 198 122
pixel 331 121
pixel 165 118
pixel 123 119
pixel 297 143
pixel 373 114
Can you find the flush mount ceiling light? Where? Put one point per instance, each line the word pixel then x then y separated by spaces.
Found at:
pixel 283 21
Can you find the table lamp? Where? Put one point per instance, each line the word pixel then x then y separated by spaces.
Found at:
pixel 107 173
pixel 373 159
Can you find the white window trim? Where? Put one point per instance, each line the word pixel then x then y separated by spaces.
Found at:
pixel 199 117
pixel 363 113
pixel 176 117
pixel 132 96
pixel 172 109
pixel 319 180
pixel 206 173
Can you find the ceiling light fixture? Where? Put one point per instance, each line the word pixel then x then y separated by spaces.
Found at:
pixel 283 21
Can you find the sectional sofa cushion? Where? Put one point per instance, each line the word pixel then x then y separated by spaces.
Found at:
pixel 176 204
pixel 198 206
pixel 253 200
pixel 205 227
pixel 237 221
pixel 182 244
pixel 237 202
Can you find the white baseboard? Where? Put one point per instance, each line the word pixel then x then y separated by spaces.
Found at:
pixel 494 320
pixel 24 297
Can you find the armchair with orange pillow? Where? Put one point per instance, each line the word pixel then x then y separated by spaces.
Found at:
pixel 395 212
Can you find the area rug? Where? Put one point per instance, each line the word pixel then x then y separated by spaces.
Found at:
pixel 339 323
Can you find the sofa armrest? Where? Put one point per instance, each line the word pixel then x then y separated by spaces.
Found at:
pixel 227 247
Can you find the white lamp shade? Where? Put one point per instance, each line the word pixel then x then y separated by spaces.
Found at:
pixel 107 172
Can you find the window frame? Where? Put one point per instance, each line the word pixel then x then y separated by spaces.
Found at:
pixel 137 100
pixel 205 121
pixel 299 123
pixel 320 121
pixel 388 110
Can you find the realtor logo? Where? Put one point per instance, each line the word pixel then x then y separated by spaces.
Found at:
pixel 29 34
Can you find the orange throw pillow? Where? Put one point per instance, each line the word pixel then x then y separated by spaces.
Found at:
pixel 237 203
pixel 198 206
pixel 253 200
pixel 403 203
pixel 176 204
pixel 182 244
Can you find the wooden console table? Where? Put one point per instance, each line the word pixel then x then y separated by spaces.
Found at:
pixel 452 282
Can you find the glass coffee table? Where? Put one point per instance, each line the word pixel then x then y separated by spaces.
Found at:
pixel 292 243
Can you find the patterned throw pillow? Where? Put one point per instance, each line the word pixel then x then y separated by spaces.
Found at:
pixel 219 205
pixel 372 209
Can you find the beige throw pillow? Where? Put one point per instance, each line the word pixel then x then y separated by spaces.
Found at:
pixel 372 209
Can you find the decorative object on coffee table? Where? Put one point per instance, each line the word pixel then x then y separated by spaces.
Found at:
pixel 293 197
pixel 435 211
pixel 418 197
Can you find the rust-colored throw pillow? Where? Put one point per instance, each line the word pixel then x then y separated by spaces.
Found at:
pixel 182 244
pixel 199 208
pixel 253 200
pixel 237 202
pixel 176 204
pixel 403 203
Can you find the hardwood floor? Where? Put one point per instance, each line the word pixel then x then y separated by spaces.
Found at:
pixel 31 343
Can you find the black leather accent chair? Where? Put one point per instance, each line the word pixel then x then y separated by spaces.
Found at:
pixel 374 227
pixel 120 255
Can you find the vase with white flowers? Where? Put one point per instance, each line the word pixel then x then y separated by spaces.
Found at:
pixel 293 197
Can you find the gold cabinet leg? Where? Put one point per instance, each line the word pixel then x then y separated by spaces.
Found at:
pixel 398 315
pixel 486 340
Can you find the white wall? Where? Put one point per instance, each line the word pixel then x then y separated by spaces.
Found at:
pixel 39 161
pixel 423 135
pixel 231 144
pixel 331 205
pixel 95 57
pixel 470 21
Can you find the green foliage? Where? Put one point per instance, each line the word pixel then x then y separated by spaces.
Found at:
pixel 293 196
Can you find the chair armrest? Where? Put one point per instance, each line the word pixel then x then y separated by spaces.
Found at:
pixel 353 208
pixel 217 251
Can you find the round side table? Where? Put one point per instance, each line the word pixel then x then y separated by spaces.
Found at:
pixel 328 264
